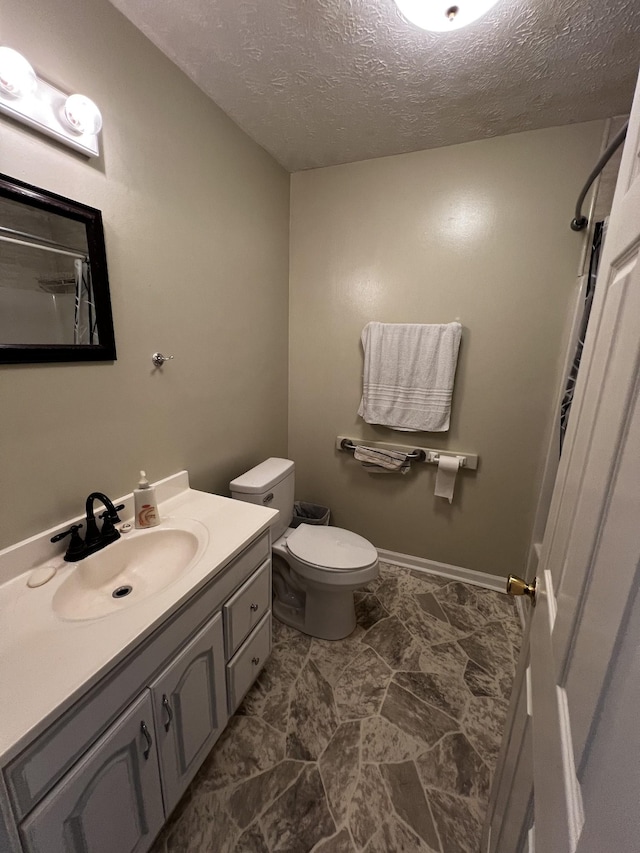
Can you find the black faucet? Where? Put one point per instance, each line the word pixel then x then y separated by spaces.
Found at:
pixel 95 539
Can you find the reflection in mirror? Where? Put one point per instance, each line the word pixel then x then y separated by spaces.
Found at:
pixel 45 296
pixel 54 297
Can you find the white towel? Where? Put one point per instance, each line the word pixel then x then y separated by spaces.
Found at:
pixel 378 461
pixel 409 370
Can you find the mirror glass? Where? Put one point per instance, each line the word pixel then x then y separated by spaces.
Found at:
pixel 54 291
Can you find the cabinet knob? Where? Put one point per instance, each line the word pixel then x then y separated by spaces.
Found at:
pixel 254 607
pixel 255 661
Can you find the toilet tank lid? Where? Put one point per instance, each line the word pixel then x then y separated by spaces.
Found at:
pixel 263 477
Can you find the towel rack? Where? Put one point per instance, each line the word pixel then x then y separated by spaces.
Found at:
pixel 429 455
pixel 347 444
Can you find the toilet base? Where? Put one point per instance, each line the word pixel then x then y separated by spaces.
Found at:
pixel 326 615
pixel 317 601
pixel 292 616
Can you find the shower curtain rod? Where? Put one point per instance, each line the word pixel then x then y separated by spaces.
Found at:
pixel 71 253
pixel 12 234
pixel 579 222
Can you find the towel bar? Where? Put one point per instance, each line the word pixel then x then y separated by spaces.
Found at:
pixel 418 455
pixel 429 455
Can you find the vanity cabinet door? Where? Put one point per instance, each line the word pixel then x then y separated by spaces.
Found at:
pixel 111 800
pixel 189 704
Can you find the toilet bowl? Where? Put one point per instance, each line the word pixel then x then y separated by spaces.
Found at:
pixel 316 569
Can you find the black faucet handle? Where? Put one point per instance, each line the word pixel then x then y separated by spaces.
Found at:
pixel 108 532
pixel 73 530
pixel 76 548
pixel 112 516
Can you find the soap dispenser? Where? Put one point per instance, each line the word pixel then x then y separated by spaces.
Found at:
pixel 146 507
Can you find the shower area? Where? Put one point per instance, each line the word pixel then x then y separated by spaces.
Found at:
pixel 603 181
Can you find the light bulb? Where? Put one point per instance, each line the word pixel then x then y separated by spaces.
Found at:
pixel 82 114
pixel 440 16
pixel 17 77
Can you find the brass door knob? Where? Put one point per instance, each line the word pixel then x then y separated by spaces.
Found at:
pixel 516 586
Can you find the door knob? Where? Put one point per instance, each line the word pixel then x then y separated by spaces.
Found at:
pixel 516 586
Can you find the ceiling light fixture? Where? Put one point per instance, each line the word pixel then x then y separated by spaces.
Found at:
pixel 72 119
pixel 441 16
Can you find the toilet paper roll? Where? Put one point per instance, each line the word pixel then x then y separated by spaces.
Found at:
pixel 446 476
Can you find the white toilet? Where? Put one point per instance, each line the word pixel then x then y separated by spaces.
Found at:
pixel 315 568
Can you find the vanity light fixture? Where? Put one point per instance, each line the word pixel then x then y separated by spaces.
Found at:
pixel 72 119
pixel 82 114
pixel 17 77
pixel 441 16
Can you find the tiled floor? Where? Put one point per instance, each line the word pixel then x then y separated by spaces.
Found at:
pixel 382 742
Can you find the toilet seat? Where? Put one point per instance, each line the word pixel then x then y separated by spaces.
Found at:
pixel 331 548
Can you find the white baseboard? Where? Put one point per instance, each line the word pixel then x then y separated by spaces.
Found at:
pixel 456 573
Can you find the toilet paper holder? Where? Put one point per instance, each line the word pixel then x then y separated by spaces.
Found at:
pixel 433 458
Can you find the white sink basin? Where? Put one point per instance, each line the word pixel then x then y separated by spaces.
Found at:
pixel 128 571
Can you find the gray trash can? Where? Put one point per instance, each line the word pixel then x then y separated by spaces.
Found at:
pixel 306 513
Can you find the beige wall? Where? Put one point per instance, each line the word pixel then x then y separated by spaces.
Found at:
pixel 477 231
pixel 196 228
pixel 196 223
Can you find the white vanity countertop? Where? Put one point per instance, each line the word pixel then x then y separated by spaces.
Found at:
pixel 46 661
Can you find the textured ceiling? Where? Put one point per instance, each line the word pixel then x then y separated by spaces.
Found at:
pixel 321 82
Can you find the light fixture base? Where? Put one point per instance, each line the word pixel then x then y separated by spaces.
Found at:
pixel 442 16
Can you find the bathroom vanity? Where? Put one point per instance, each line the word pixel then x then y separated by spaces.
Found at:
pixel 107 718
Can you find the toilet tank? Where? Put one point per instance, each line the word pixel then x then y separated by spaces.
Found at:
pixel 270 484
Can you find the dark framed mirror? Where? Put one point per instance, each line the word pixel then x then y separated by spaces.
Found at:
pixel 54 287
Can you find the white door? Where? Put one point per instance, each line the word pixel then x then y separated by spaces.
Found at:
pixel 579 738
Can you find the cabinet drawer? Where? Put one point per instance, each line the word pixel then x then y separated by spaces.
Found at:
pixel 246 664
pixel 246 608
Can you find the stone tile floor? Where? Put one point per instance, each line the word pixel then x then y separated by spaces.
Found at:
pixel 385 741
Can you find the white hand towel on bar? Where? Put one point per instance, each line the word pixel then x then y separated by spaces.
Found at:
pixel 409 370
pixel 378 461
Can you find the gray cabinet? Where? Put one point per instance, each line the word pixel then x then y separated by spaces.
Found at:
pixel 189 709
pixel 111 800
